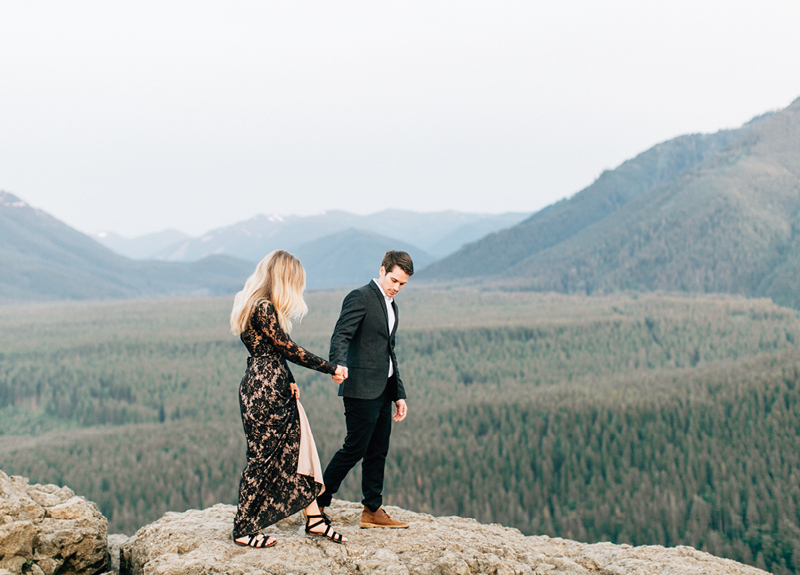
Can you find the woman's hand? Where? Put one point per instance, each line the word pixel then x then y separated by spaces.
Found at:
pixel 295 390
pixel 340 375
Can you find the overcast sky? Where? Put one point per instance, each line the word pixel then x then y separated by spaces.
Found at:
pixel 138 116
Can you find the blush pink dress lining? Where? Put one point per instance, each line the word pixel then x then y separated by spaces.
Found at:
pixel 308 462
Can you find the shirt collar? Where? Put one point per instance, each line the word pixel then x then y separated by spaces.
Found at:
pixel 386 297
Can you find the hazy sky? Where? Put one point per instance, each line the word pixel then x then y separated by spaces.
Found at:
pixel 138 116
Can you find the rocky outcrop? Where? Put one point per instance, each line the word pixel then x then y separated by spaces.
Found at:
pixel 46 529
pixel 198 542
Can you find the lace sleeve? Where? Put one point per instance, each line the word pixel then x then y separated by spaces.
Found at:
pixel 280 340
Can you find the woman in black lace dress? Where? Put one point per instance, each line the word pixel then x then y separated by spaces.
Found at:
pixel 283 474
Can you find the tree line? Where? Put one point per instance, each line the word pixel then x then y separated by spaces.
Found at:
pixel 646 421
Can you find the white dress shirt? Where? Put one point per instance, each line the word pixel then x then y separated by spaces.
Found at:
pixel 390 312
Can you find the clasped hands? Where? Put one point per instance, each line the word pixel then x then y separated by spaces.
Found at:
pixel 340 375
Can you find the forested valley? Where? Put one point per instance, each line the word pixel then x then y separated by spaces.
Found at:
pixel 651 419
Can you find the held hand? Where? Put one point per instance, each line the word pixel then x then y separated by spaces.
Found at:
pixel 400 410
pixel 340 375
pixel 295 390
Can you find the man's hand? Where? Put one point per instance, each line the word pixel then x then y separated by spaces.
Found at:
pixel 340 375
pixel 295 390
pixel 400 410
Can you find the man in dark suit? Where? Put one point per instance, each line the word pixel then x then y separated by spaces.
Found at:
pixel 363 341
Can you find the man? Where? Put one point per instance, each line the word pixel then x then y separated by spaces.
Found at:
pixel 363 341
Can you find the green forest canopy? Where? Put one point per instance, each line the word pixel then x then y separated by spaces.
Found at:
pixel 648 420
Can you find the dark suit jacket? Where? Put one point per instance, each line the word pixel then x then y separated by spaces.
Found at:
pixel 361 342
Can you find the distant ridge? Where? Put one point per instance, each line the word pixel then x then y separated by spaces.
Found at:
pixel 613 189
pixel 436 233
pixel 726 219
pixel 42 258
pixel 351 257
pixel 142 247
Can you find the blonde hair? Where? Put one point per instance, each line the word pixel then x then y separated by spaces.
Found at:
pixel 280 279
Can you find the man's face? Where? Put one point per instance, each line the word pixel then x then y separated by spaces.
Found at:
pixel 393 281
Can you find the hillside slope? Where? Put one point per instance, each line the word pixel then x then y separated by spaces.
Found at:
pixel 611 191
pixel 729 225
pixel 44 259
pixel 350 258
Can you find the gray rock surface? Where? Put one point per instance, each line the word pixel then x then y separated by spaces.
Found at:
pixel 46 529
pixel 198 542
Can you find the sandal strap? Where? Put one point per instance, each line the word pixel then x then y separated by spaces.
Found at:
pixel 322 514
pixel 333 535
pixel 309 526
pixel 256 541
pixel 329 533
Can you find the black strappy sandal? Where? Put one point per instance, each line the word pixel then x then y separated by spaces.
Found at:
pixel 322 514
pixel 258 541
pixel 329 533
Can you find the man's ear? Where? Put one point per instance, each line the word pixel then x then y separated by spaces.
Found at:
pixel 383 271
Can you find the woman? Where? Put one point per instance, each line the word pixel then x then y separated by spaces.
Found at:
pixel 283 474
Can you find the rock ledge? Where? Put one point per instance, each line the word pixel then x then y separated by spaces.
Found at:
pixel 46 529
pixel 199 542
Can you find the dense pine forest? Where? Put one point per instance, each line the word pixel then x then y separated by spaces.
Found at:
pixel 645 420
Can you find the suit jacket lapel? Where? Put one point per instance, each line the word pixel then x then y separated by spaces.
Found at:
pixel 382 303
pixel 396 319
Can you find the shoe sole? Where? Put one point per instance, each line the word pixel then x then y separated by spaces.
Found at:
pixel 364 525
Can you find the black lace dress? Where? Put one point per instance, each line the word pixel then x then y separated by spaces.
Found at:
pixel 271 487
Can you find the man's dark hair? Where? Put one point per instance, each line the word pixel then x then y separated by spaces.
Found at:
pixel 400 259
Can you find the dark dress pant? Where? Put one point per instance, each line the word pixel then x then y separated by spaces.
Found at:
pixel 369 425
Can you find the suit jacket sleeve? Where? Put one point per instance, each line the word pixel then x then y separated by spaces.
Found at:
pixel 283 344
pixel 353 311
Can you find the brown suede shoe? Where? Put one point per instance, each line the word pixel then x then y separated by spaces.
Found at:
pixel 379 518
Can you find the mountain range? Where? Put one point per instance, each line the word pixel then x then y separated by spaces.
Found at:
pixel 351 257
pixel 42 258
pixel 699 213
pixel 141 247
pixel 428 236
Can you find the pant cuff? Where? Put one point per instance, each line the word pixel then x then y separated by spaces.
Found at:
pixel 371 506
